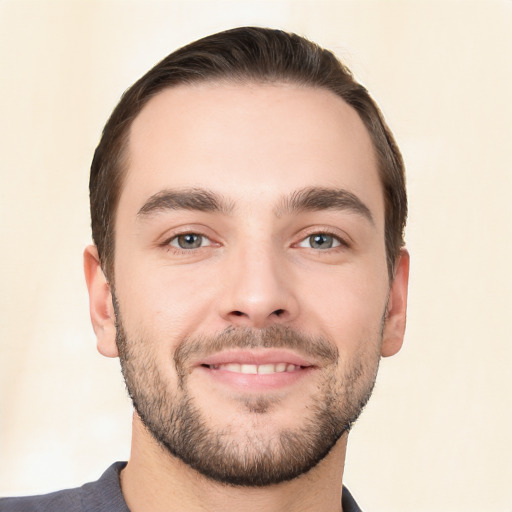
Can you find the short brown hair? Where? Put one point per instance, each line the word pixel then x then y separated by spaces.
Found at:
pixel 242 55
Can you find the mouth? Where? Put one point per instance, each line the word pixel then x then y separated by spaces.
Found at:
pixel 256 370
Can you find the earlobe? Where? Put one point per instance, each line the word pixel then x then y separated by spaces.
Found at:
pixel 394 327
pixel 100 303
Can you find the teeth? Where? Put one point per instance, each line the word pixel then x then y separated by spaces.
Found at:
pixel 267 368
pixel 253 369
pixel 248 368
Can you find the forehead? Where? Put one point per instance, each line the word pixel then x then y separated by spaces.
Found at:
pixel 249 142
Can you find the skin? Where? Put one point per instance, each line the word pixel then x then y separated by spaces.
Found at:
pixel 253 145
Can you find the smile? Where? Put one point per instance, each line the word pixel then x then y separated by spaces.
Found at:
pixel 253 369
pixel 257 370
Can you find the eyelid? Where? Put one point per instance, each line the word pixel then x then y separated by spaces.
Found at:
pixel 336 242
pixel 176 237
pixel 189 229
pixel 340 236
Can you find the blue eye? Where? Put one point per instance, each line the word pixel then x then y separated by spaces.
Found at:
pixel 320 241
pixel 189 241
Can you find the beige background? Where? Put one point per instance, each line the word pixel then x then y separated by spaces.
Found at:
pixel 437 434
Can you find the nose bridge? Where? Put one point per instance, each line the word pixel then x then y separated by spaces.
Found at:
pixel 257 292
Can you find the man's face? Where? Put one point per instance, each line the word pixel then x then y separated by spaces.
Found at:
pixel 251 286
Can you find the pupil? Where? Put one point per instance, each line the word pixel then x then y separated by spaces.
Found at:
pixel 189 241
pixel 321 241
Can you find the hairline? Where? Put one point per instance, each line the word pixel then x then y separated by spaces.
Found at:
pixel 239 79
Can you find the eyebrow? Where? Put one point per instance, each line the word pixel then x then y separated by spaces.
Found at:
pixel 323 198
pixel 303 200
pixel 188 199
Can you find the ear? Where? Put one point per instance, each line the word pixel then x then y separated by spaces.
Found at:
pixel 394 327
pixel 100 303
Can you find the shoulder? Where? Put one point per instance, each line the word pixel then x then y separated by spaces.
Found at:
pixel 348 503
pixel 102 495
pixel 62 500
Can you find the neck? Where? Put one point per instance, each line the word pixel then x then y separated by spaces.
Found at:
pixel 155 481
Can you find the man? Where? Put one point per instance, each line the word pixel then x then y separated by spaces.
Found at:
pixel 248 206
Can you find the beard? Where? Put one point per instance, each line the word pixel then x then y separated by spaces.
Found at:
pixel 257 456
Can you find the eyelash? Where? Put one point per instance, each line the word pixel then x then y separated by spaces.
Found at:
pixel 167 244
pixel 341 242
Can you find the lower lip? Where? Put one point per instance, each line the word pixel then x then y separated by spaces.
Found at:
pixel 256 382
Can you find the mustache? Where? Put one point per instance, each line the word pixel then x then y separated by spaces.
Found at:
pixel 276 336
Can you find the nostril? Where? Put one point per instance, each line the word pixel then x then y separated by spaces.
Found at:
pixel 278 312
pixel 238 313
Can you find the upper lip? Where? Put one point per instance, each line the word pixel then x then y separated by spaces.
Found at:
pixel 256 357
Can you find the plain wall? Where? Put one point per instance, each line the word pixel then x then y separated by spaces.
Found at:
pixel 437 432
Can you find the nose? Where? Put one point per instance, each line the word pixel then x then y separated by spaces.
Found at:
pixel 258 290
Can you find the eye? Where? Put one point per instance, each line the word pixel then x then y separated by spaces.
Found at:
pixel 320 241
pixel 189 241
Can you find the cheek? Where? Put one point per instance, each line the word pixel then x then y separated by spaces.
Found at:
pixel 166 303
pixel 348 305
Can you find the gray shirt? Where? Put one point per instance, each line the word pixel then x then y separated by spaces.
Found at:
pixel 103 495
